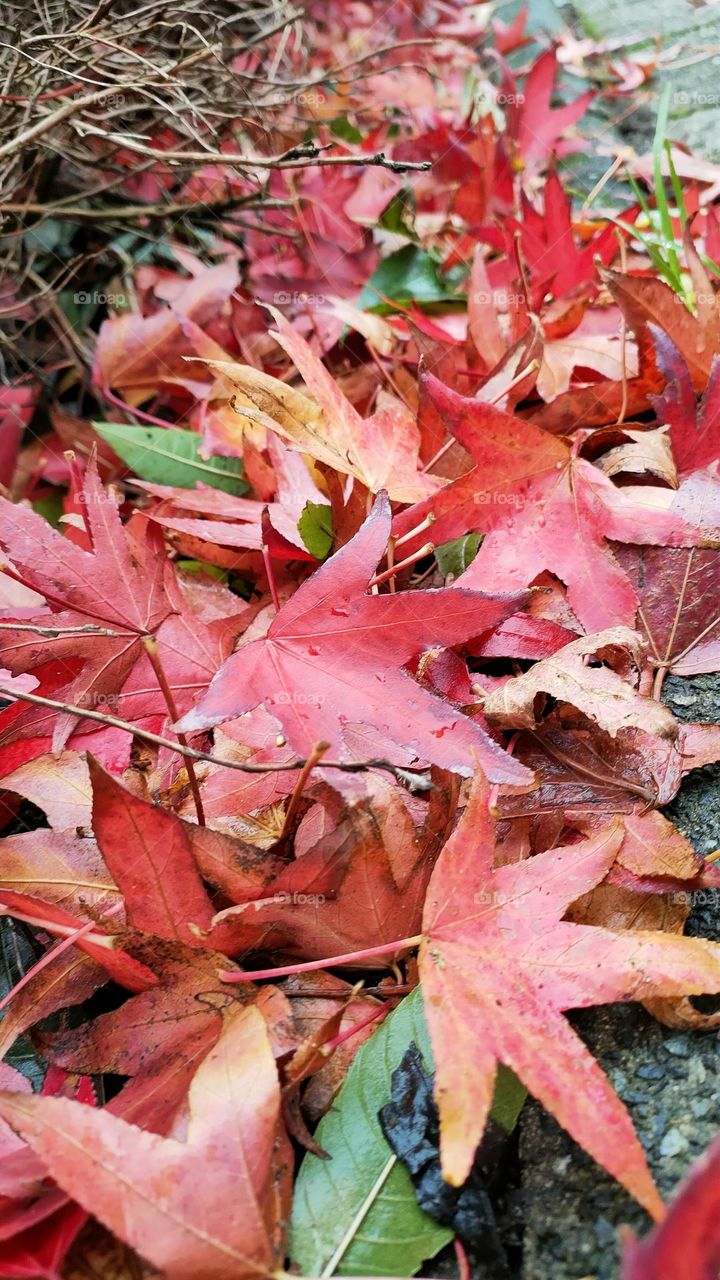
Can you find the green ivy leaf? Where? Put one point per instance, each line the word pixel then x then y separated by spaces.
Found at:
pixel 170 456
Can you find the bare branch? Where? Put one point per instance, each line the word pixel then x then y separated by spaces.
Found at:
pixel 354 766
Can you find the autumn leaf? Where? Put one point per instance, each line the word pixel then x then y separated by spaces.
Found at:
pixel 694 428
pixel 362 884
pixel 105 602
pixel 606 691
pixel 677 588
pixel 539 124
pixel 156 1038
pixel 58 866
pixel 646 300
pixel 150 856
pixel 333 658
pixel 542 508
pixel 146 1189
pixel 581 768
pixel 381 451
pixel 687 1242
pixel 237 522
pixel 499 967
pixel 134 352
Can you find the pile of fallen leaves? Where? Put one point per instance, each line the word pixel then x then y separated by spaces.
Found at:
pixel 336 609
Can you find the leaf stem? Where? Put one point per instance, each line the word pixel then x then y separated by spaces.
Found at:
pixel 331 1045
pixel 349 957
pixel 314 758
pixel 267 561
pixel 150 645
pixel 379 578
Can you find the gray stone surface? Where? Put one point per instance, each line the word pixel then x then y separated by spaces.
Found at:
pixel 690 32
pixel 669 1080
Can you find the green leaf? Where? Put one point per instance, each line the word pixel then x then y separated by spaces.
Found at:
pixel 315 527
pixel 356 1214
pixel 202 567
pixel 456 556
pixel 508 1099
pixel 170 456
pixel 345 129
pixel 50 507
pixel 399 215
pixel 410 275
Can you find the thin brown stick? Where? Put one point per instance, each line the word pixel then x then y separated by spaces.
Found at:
pixel 171 210
pixel 52 633
pixel 299 158
pixel 83 713
pixel 49 121
pixel 150 645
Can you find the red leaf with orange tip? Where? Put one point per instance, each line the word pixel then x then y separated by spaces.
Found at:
pixel 499 966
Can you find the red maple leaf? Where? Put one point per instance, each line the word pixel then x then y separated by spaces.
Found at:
pixel 333 658
pixel 499 966
pixel 542 508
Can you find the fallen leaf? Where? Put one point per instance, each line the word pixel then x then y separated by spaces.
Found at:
pixel 597 674
pixel 333 657
pixel 687 1242
pixel 499 966
pixel 148 853
pixel 381 451
pixel 145 1189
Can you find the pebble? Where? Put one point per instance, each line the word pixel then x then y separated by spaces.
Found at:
pixel 605 1232
pixel 677 1046
pixel 650 1071
pixel 673 1144
pixel 696 1072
